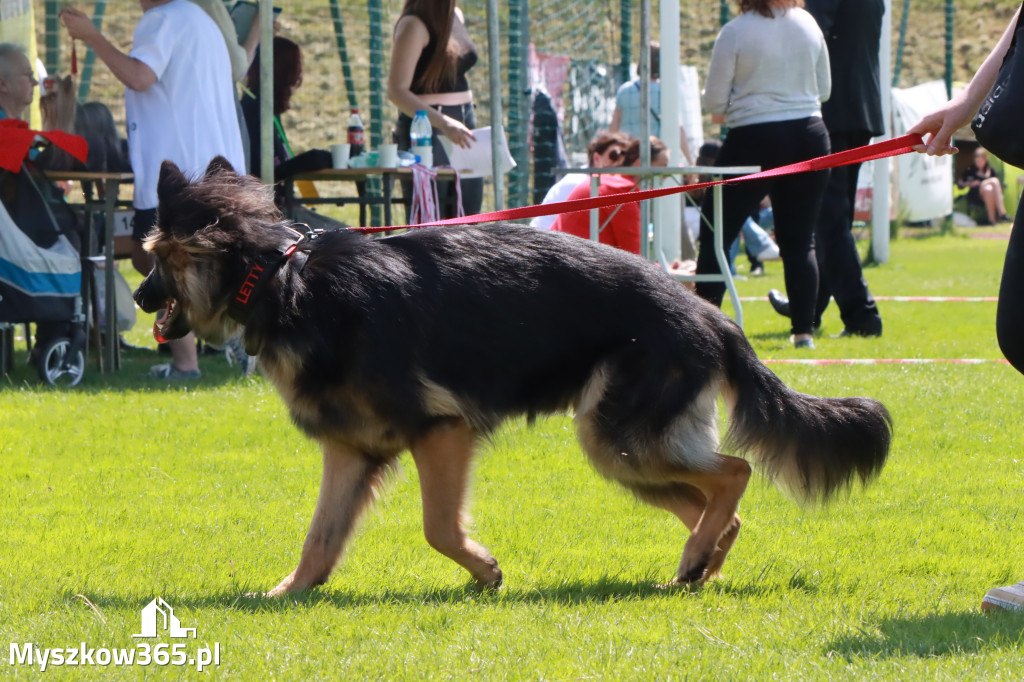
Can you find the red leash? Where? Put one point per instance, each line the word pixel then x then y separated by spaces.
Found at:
pixel 880 150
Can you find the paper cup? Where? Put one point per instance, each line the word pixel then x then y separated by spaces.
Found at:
pixel 387 156
pixel 340 154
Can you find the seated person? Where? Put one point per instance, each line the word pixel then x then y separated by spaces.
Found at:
pixel 618 226
pixel 287 79
pixel 605 150
pixel 986 189
pixel 23 198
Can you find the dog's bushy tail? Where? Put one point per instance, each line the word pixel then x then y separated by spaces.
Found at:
pixel 811 446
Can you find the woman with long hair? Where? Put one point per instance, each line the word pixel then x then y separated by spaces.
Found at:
pixel 768 75
pixel 287 79
pixel 431 53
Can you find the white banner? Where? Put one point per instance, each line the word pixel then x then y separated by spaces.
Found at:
pixel 925 182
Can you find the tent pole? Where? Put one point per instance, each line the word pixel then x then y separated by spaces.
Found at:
pixel 881 178
pixel 266 93
pixel 497 129
pixel 668 211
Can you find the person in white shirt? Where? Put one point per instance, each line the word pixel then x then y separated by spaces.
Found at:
pixel 604 151
pixel 179 106
pixel 768 76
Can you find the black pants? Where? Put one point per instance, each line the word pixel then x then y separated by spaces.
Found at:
pixel 796 201
pixel 1010 310
pixel 839 271
pixel 472 188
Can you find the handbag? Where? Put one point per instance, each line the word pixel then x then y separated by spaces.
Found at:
pixel 997 125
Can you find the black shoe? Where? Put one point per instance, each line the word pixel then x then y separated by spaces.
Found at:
pixel 847 331
pixel 779 302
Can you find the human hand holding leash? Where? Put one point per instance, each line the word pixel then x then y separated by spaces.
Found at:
pixel 941 124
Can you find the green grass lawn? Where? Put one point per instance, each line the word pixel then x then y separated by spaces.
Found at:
pixel 121 490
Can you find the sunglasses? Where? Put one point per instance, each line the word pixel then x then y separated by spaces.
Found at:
pixel 615 154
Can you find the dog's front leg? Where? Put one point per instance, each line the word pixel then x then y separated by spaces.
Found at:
pixel 442 459
pixel 348 482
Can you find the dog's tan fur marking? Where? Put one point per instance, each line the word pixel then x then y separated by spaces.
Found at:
pixel 439 401
pixel 364 431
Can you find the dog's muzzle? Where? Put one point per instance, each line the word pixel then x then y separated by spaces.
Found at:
pixel 152 296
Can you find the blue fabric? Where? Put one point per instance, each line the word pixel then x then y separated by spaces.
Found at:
pixel 40 283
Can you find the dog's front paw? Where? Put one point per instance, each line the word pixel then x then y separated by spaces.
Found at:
pixel 284 587
pixel 491 583
pixel 692 572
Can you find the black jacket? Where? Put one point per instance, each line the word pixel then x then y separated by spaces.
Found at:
pixel 852 31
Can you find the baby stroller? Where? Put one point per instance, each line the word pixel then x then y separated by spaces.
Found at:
pixel 40 274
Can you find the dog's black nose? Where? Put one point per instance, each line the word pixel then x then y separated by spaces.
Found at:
pixel 151 294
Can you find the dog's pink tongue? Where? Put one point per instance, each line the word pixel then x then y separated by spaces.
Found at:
pixel 156 324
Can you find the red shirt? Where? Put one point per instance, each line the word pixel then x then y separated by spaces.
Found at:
pixel 621 223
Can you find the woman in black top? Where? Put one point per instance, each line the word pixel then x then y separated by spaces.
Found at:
pixel 430 54
pixel 986 190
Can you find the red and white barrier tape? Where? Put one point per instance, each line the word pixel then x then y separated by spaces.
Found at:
pixel 905 299
pixel 884 361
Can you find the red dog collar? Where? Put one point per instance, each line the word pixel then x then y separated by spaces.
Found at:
pixel 262 272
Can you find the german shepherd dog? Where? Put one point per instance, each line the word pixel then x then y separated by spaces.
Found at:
pixel 427 341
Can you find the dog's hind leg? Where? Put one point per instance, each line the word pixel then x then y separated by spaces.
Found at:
pixel 442 459
pixel 688 504
pixel 348 484
pixel 716 530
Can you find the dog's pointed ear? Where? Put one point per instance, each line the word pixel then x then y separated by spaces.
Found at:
pixel 219 165
pixel 171 183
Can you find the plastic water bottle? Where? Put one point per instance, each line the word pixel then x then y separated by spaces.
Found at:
pixel 421 134
pixel 355 133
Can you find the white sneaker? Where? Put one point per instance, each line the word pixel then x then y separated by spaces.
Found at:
pixel 234 353
pixel 1004 598
pixel 771 252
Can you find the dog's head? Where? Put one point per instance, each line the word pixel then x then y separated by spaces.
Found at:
pixel 206 231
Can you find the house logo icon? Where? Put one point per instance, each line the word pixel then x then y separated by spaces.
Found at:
pixel 170 621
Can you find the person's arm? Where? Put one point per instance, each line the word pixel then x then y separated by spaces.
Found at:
pixel 616 124
pixel 684 146
pixel 940 125
pixel 238 54
pixel 131 72
pixel 409 41
pixel 721 72
pixel 252 41
pixel 823 74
